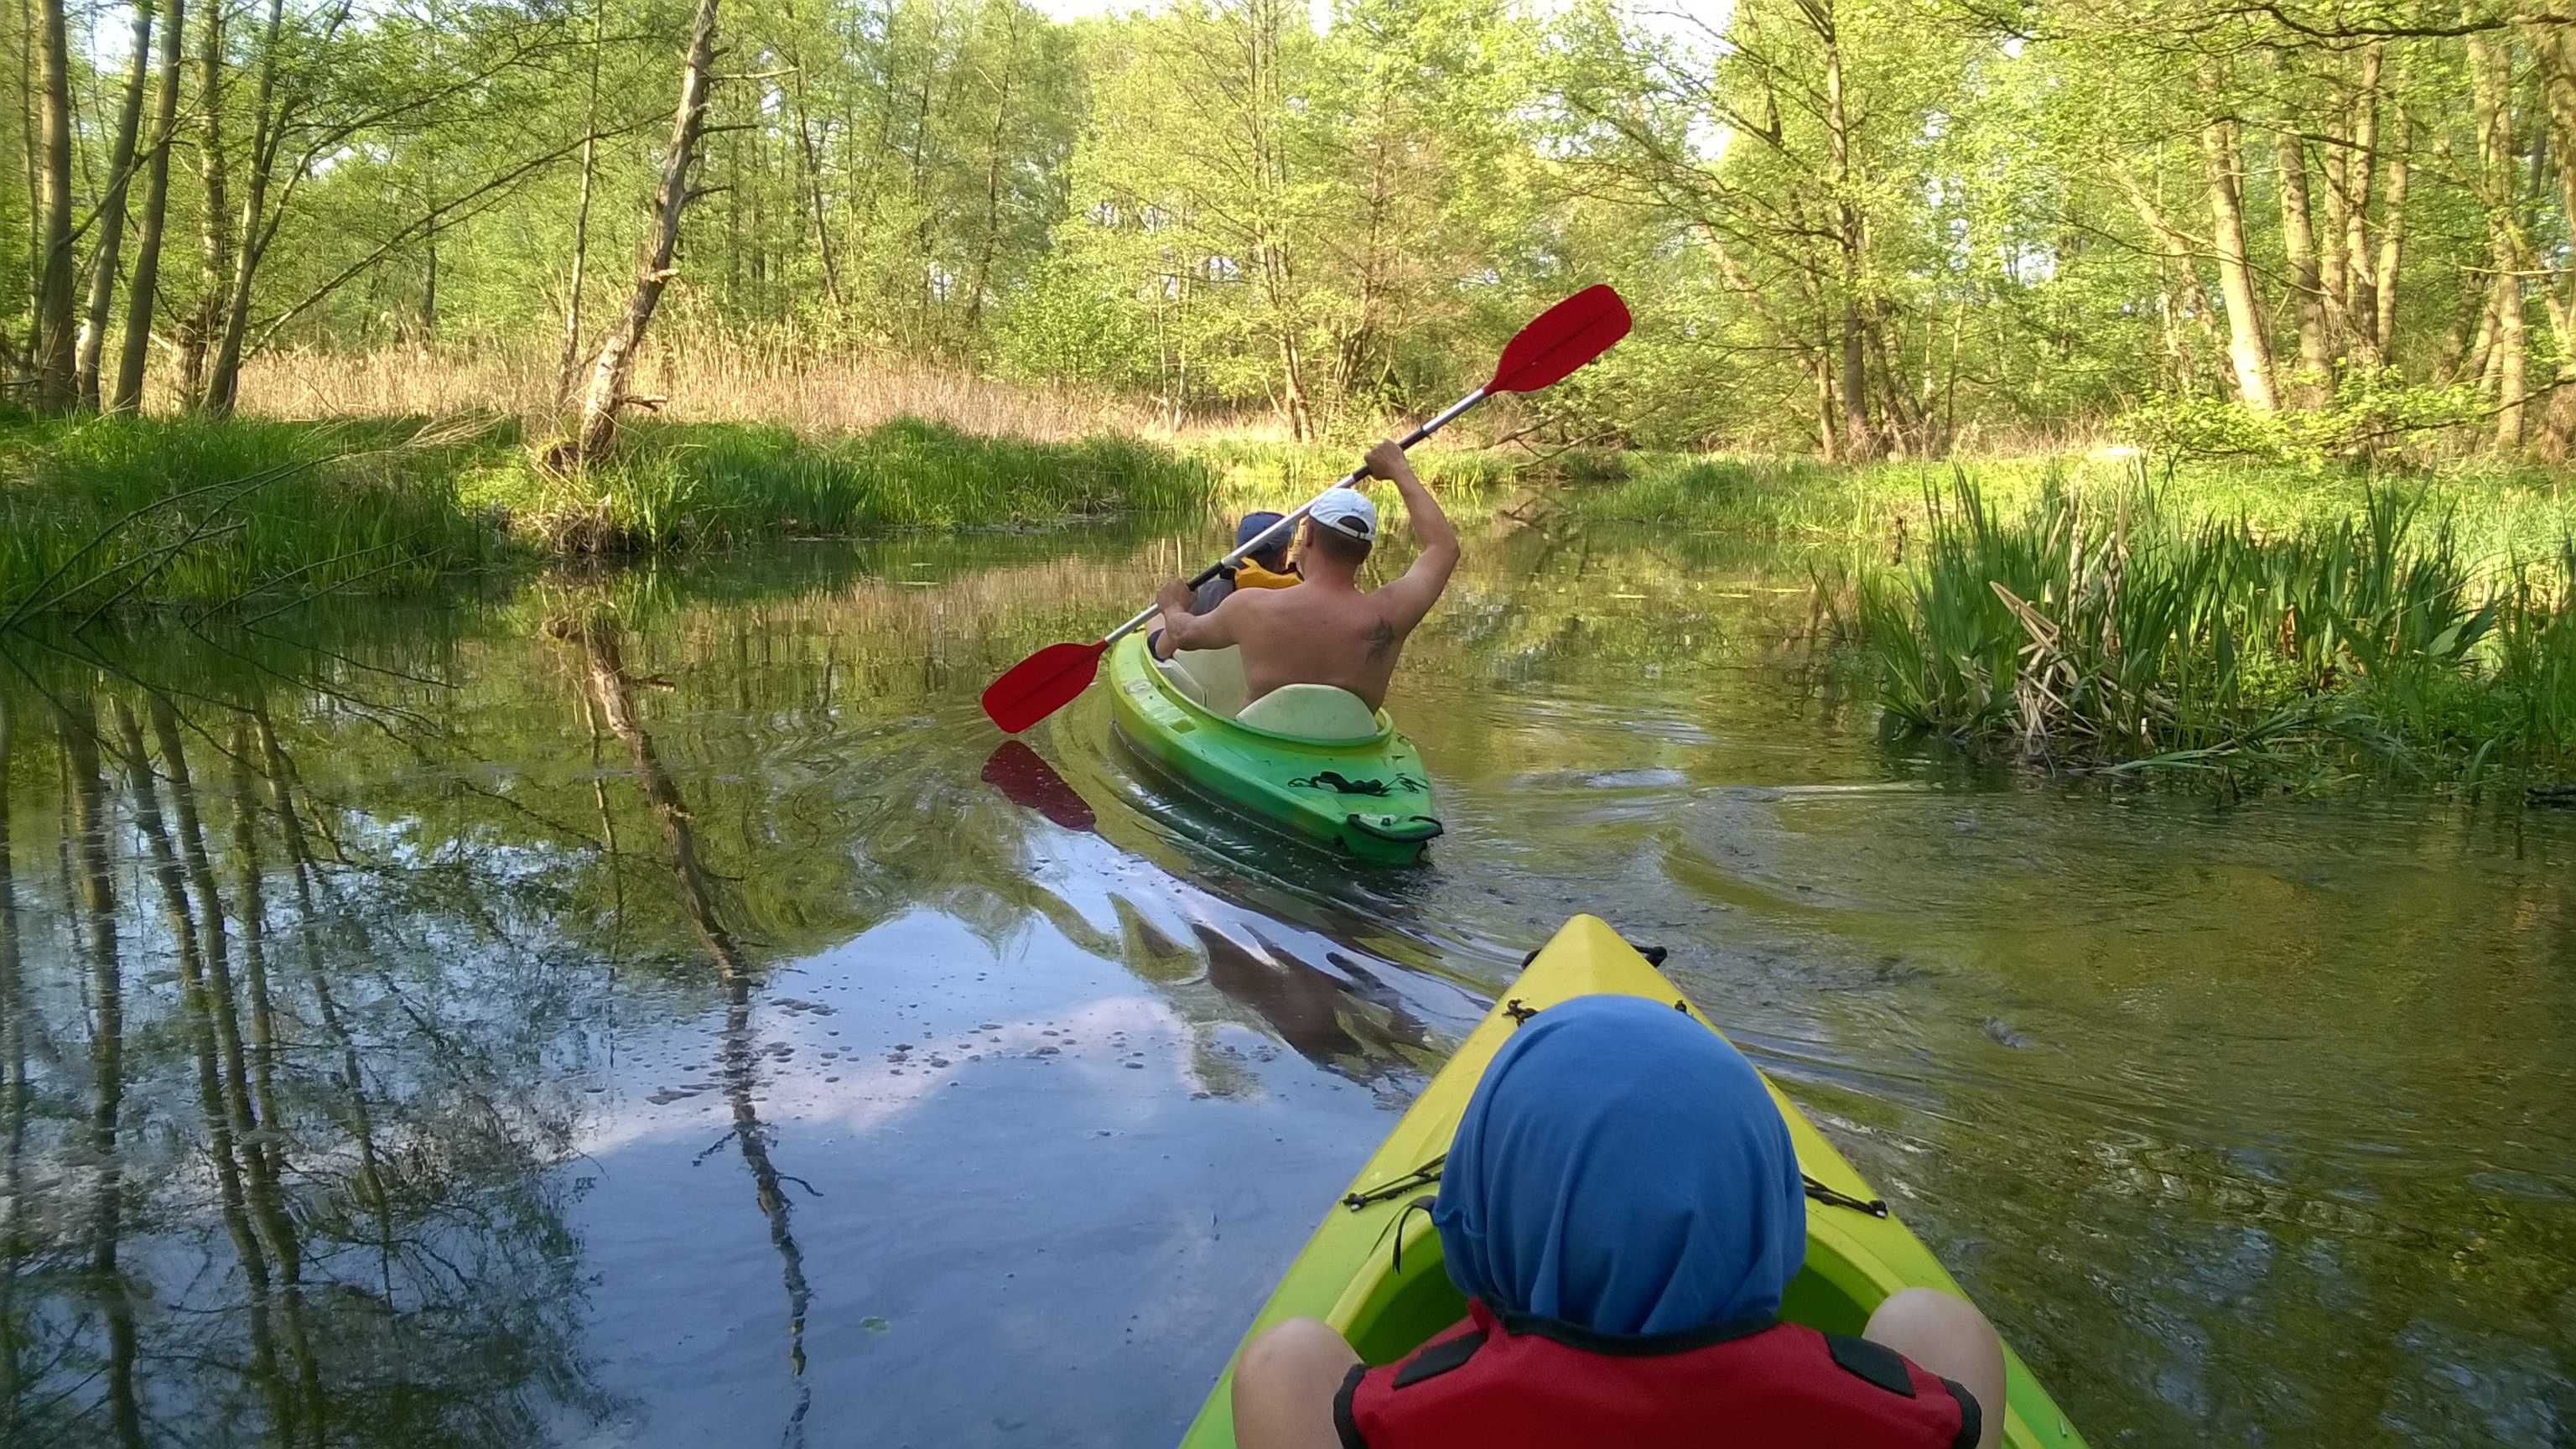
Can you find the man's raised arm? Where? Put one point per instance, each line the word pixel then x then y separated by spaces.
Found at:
pixel 1420 587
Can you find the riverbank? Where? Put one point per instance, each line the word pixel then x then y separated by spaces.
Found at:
pixel 97 514
pixel 2125 629
pixel 176 511
pixel 2499 512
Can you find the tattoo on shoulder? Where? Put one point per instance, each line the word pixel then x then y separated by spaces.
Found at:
pixel 1381 640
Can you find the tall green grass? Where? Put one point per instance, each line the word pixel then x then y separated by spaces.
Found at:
pixel 104 513
pixel 2110 628
pixel 676 485
pixel 2501 511
pixel 101 512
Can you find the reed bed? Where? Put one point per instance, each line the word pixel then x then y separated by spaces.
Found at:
pixel 99 513
pixel 2500 511
pixel 694 485
pixel 701 375
pixel 2108 629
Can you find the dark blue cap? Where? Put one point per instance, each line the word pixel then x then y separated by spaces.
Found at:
pixel 1253 525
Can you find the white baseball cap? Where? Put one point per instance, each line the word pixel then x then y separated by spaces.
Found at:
pixel 1347 511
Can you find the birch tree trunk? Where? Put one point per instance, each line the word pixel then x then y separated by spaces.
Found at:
pixel 993 171
pixel 214 252
pixel 2315 383
pixel 2247 346
pixel 2360 300
pixel 2392 243
pixel 653 268
pixel 223 384
pixel 53 322
pixel 571 354
pixel 2497 187
pixel 1858 441
pixel 111 212
pixel 141 297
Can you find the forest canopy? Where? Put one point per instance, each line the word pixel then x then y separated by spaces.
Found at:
pixel 1852 229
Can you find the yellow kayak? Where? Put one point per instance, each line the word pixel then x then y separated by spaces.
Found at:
pixel 1857 1251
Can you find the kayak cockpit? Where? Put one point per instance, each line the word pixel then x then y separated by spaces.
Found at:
pixel 1396 1303
pixel 1212 679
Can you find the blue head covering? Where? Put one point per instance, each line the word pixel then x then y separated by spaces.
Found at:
pixel 1250 528
pixel 1620 1167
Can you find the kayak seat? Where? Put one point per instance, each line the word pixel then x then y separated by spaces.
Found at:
pixel 1212 678
pixel 1312 712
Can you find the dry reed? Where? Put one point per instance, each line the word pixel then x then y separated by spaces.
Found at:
pixel 702 375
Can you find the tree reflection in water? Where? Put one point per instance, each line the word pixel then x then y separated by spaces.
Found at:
pixel 240 1203
pixel 612 693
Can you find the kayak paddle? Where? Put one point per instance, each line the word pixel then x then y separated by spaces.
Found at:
pixel 1556 342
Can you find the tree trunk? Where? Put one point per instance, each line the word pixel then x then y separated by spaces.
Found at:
pixel 2186 291
pixel 2315 383
pixel 2247 346
pixel 111 211
pixel 144 294
pixel 2498 189
pixel 1823 371
pixel 1858 442
pixel 653 268
pixel 53 348
pixel 2360 299
pixel 223 384
pixel 993 171
pixel 2392 244
pixel 581 220
pixel 813 187
pixel 214 258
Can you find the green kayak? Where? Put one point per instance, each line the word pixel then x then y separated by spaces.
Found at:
pixel 1388 1303
pixel 1307 759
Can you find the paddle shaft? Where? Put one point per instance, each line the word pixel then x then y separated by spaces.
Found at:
pixel 1281 529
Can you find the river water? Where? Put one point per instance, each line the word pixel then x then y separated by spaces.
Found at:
pixel 626 1010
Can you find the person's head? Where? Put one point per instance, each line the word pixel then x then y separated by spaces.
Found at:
pixel 1622 1168
pixel 1340 530
pixel 1272 555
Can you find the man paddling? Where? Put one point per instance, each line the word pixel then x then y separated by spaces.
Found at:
pixel 1327 630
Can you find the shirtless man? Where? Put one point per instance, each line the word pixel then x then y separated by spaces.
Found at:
pixel 1326 630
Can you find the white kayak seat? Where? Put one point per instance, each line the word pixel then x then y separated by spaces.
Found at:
pixel 1317 712
pixel 1212 678
pixel 1180 677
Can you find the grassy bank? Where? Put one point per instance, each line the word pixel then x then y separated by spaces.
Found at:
pixel 2499 511
pixel 172 510
pixel 98 513
pixel 2130 628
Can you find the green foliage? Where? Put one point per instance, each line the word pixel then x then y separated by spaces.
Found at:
pixel 697 484
pixel 2101 627
pixel 186 509
pixel 2374 412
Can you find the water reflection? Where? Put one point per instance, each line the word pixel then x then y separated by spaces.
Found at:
pixel 650 1009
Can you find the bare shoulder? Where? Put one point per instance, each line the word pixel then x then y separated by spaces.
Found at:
pixel 1408 598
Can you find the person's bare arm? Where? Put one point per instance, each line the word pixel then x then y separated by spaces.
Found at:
pixel 1410 597
pixel 1185 630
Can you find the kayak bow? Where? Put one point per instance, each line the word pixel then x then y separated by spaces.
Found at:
pixel 1348 1274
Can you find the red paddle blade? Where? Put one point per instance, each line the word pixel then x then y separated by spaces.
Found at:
pixel 1041 684
pixel 1561 339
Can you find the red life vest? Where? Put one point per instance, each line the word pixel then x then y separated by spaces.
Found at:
pixel 1512 1380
